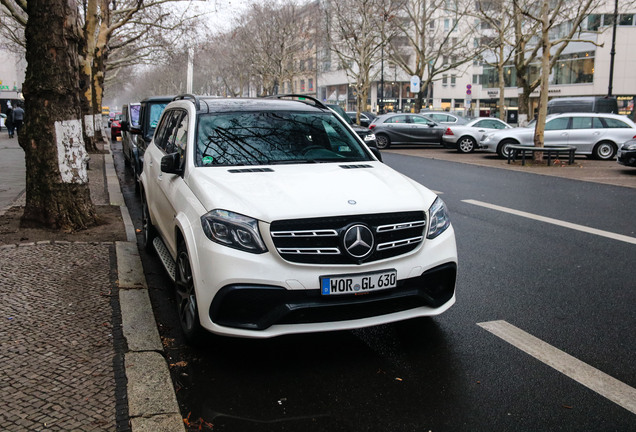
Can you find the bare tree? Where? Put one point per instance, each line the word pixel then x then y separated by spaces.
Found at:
pixel 530 26
pixel 497 40
pixel 57 192
pixel 568 15
pixel 271 39
pixel 434 37
pixel 355 28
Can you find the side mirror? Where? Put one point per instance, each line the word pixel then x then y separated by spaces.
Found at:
pixel 134 131
pixel 171 164
pixel 432 124
pixel 124 125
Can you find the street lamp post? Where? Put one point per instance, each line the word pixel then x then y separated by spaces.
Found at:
pixel 613 51
pixel 381 103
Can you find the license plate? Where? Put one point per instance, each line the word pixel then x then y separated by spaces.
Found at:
pixel 358 283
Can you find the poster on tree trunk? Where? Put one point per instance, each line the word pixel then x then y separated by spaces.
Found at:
pixel 71 152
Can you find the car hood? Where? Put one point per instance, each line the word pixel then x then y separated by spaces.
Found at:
pixel 308 190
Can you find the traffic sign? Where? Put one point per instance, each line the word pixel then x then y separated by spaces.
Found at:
pixel 415 84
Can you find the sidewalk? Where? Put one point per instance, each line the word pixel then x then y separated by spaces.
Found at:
pixel 79 346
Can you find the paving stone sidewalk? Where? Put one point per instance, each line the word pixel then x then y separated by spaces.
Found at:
pixel 79 347
pixel 59 369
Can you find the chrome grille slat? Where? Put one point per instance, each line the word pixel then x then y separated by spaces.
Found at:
pixel 399 243
pixel 400 226
pixel 309 251
pixel 320 240
pixel 306 233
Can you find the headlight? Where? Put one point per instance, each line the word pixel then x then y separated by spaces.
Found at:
pixel 370 137
pixel 439 219
pixel 233 230
pixel 630 147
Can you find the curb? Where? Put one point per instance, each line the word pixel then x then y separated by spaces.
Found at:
pixel 152 402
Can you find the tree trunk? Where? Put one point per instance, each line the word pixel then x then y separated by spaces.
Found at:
pixel 502 83
pixel 57 192
pixel 86 50
pixel 539 128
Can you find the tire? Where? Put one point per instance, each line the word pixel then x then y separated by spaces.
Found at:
pixel 186 298
pixel 605 150
pixel 133 166
pixel 466 144
pixel 148 229
pixel 502 148
pixel 382 141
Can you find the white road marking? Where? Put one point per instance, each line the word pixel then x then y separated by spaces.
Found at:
pixel 603 384
pixel 608 234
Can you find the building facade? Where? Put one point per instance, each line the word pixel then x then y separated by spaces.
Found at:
pixel 12 70
pixel 583 69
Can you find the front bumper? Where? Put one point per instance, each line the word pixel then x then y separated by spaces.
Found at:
pixel 260 307
pixel 260 296
pixel 626 157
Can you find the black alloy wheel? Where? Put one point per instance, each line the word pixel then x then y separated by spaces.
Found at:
pixel 382 141
pixel 148 229
pixel 186 297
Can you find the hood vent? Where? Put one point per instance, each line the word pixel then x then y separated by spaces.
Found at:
pixel 355 166
pixel 249 170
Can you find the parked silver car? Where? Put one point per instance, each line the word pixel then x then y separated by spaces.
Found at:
pixel 466 138
pixel 444 117
pixel 592 134
pixel 404 128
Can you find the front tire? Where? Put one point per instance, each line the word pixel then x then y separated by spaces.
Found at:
pixel 604 150
pixel 382 141
pixel 466 144
pixel 186 297
pixel 148 229
pixel 503 150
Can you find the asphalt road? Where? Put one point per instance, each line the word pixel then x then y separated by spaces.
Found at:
pixel 541 337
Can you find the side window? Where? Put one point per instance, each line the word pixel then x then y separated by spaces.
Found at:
pixel 597 123
pixel 419 120
pixel 181 137
pixel 581 122
pixel 397 119
pixel 614 123
pixel 559 123
pixel 164 136
pixel 482 124
pixel 163 131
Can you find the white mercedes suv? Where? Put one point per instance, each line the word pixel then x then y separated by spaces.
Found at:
pixel 273 217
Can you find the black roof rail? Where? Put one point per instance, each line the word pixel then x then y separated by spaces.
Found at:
pixel 316 102
pixel 194 98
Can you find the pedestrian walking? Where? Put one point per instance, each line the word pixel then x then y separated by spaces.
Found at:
pixel 18 118
pixel 8 122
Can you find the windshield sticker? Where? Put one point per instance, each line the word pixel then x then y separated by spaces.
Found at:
pixel 208 160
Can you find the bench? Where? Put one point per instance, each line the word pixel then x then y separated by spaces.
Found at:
pixel 553 152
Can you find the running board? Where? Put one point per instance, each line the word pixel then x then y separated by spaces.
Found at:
pixel 165 257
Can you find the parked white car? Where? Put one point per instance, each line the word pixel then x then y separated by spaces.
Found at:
pixel 466 138
pixel 595 135
pixel 273 217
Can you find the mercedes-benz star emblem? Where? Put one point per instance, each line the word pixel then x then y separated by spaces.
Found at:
pixel 358 241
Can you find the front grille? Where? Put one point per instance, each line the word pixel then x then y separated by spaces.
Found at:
pixel 319 240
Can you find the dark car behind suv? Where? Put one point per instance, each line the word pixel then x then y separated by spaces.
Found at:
pixel 149 113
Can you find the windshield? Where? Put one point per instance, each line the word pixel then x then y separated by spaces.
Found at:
pixel 262 138
pixel 155 113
